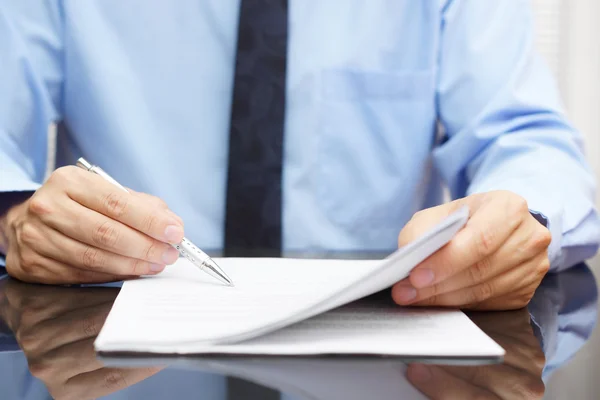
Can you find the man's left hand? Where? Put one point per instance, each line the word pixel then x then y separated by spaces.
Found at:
pixel 496 262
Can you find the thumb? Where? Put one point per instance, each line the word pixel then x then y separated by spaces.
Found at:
pixel 424 220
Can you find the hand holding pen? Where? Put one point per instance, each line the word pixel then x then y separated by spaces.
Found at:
pixel 81 227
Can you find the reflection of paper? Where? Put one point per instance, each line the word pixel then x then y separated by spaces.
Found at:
pixel 323 379
pixel 299 378
pixel 183 310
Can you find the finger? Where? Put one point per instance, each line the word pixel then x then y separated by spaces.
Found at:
pixel 522 353
pixel 96 193
pixel 513 332
pixel 437 384
pixel 61 363
pixel 520 247
pixel 157 202
pixel 55 300
pixel 9 314
pixel 30 316
pixel 424 220
pixel 516 282
pixel 96 230
pixel 515 321
pixel 516 300
pixel 485 232
pixel 70 327
pixel 504 381
pixel 40 269
pixel 84 256
pixel 104 381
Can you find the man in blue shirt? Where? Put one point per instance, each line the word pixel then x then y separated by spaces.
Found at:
pixel 145 91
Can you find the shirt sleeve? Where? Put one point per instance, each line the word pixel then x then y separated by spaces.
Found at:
pixel 505 125
pixel 30 89
pixel 30 92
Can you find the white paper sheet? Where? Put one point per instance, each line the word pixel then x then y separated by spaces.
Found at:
pixel 371 328
pixel 183 310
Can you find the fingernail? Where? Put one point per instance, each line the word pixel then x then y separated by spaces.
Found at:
pixel 422 278
pixel 173 234
pixel 404 294
pixel 419 373
pixel 156 267
pixel 170 256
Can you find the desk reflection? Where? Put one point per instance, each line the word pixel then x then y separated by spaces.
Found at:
pixel 519 377
pixel 55 328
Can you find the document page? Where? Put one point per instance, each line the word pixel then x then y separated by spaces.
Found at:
pixel 183 308
pixel 373 328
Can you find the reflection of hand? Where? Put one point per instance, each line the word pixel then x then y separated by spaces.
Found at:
pixel 56 328
pixel 496 262
pixel 520 376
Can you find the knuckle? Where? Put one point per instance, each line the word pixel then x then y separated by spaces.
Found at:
pixel 479 270
pixel 105 235
pixel 149 223
pixel 544 266
pixel 39 205
pixel 28 341
pixel 517 208
pixel 530 386
pixel 519 204
pixel 524 299
pixel 539 361
pixel 90 327
pixel 151 252
pixel 29 234
pixel 485 242
pixel 138 267
pixel 115 204
pixel 29 262
pixel 483 292
pixel 60 174
pixel 80 275
pixel 113 379
pixel 91 258
pixel 64 176
pixel 541 239
pixel 432 300
pixel 41 370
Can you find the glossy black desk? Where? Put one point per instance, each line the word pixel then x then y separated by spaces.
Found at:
pixel 46 336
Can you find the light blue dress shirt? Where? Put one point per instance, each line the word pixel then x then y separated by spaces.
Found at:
pixel 143 90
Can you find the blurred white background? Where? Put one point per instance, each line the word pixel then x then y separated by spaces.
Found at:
pixel 567 36
pixel 568 33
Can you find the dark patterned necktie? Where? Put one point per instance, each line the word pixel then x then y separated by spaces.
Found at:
pixel 253 210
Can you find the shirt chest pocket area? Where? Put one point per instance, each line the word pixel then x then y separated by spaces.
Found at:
pixel 374 129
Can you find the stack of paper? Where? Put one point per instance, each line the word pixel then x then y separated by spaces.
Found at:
pixel 269 310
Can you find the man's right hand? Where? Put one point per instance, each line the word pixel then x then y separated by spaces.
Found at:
pixel 80 228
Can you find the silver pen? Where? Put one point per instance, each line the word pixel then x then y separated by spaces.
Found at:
pixel 186 248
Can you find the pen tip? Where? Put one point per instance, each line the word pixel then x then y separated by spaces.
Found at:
pixel 218 273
